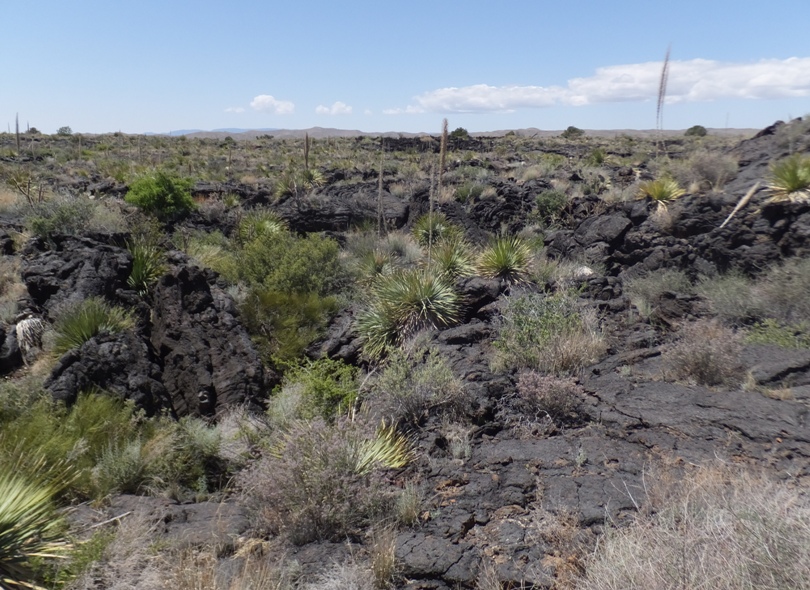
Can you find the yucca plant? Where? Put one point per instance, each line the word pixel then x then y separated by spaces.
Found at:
pixel 91 317
pixel 453 259
pixel 258 223
pixel 388 449
pixel 404 302
pixel 790 180
pixel 148 265
pixel 507 258
pixel 29 528
pixel 369 265
pixel 434 228
pixel 661 191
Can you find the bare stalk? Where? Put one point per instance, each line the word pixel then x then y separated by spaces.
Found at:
pixel 662 95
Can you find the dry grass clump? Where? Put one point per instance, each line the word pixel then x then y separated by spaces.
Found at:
pixel 645 291
pixel 540 395
pixel 707 353
pixel 320 481
pixel 414 386
pixel 551 333
pixel 718 528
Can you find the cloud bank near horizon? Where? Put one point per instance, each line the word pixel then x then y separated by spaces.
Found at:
pixel 696 80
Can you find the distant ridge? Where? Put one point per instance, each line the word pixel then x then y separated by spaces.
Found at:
pixel 324 132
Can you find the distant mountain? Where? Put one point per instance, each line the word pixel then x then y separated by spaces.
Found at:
pixel 322 132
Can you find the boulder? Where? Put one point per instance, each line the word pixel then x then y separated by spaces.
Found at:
pixel 121 364
pixel 209 362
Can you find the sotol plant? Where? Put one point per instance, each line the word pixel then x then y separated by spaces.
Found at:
pixel 29 529
pixel 790 180
pixel 507 258
pixel 403 303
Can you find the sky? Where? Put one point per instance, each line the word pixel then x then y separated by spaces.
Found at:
pixel 377 66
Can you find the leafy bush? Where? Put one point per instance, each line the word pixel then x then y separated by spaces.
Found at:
pixel 288 264
pixel 696 131
pixel 724 527
pixel 708 353
pixel 572 132
pixel 286 323
pixel 326 387
pixel 29 528
pixel 320 481
pixel 61 215
pixel 469 191
pixel 770 331
pixel 548 333
pixel 790 179
pixel 79 436
pixel 549 204
pixel 79 323
pixel 162 194
pixel 782 292
pixel 507 258
pixel 413 386
pixel 403 303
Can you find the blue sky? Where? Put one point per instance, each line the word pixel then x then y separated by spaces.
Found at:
pixel 116 65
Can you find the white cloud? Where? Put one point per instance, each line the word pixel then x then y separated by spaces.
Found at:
pixel 409 110
pixel 268 104
pixel 689 81
pixel 368 112
pixel 339 108
pixel 235 110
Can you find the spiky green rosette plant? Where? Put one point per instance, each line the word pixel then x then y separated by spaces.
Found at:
pixel 89 318
pixel 507 258
pixel 29 528
pixel 402 303
pixel 259 223
pixel 435 228
pixel 148 265
pixel 790 180
pixel 661 190
pixel 453 259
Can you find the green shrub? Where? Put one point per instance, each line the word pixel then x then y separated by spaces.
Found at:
pixel 29 528
pixel 789 179
pixel 403 303
pixel 288 264
pixel 547 333
pixel 435 227
pixel 696 131
pixel 286 323
pixel 79 323
pixel 162 194
pixel 77 436
pixel 645 291
pixel 326 387
pixel 61 215
pixel 572 132
pixel 469 191
pixel 770 331
pixel 507 258
pixel 549 204
pixel 782 292
pixel 211 250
